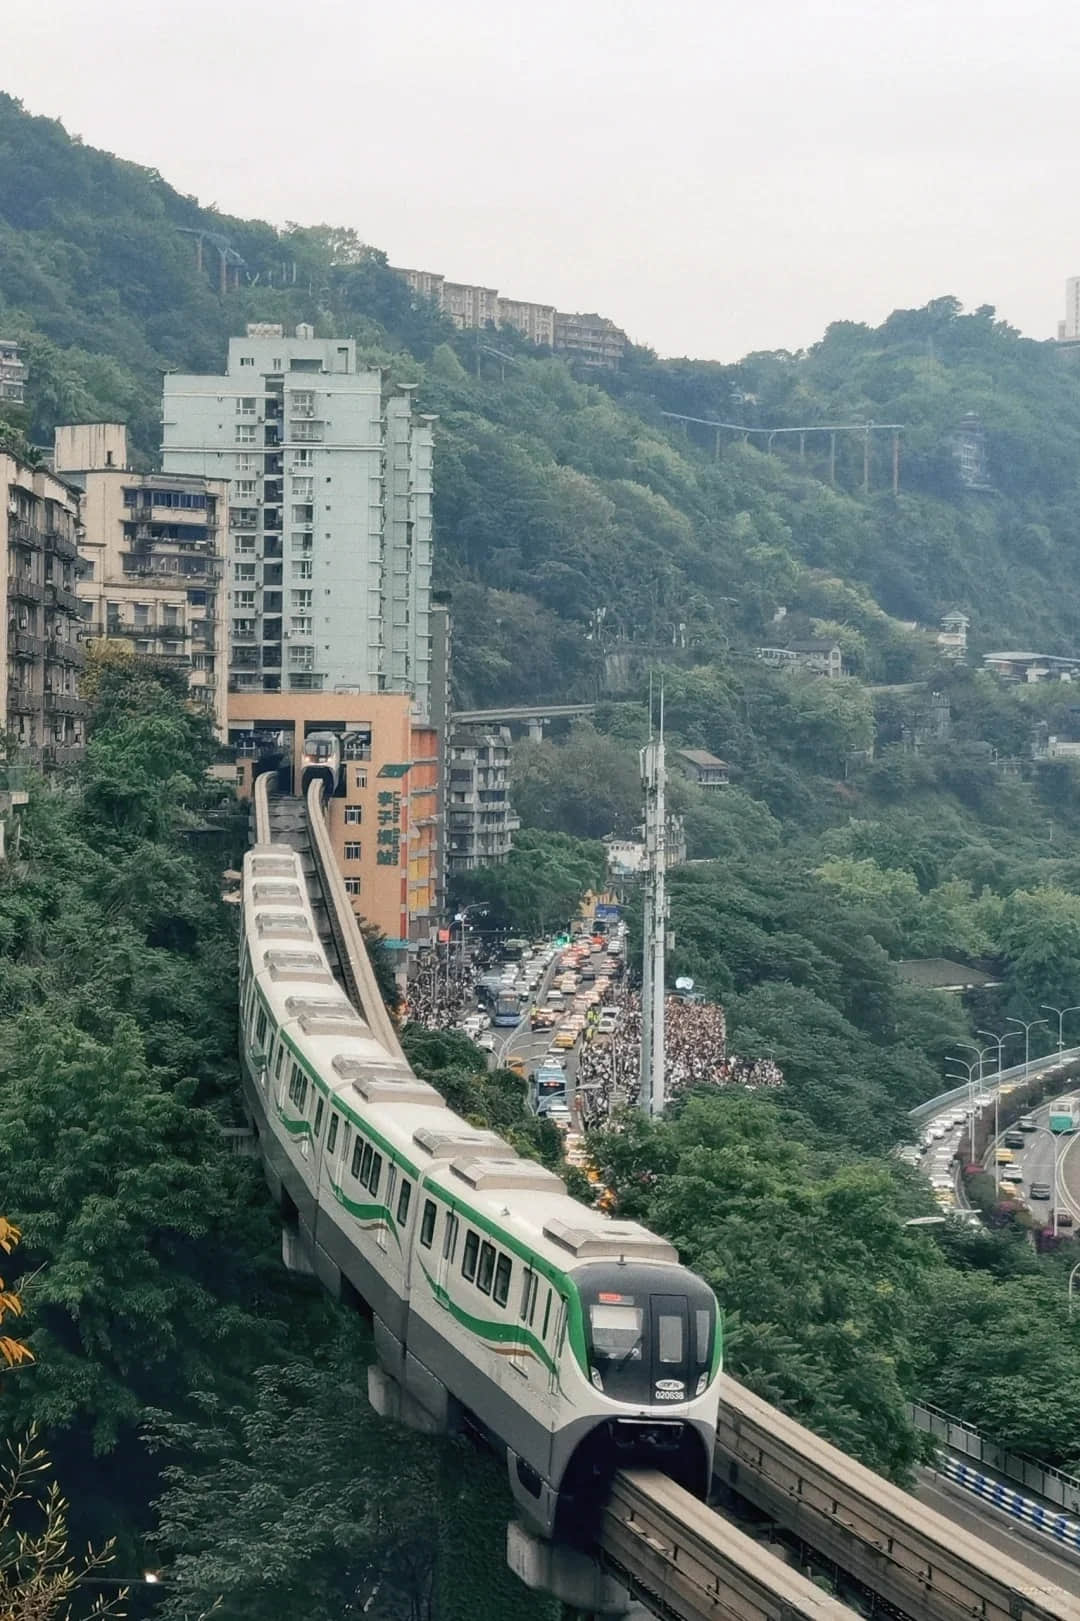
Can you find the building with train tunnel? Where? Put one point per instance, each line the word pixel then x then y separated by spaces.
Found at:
pixel 383 820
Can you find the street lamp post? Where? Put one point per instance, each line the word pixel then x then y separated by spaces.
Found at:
pixel 1061 1012
pixel 976 1063
pixel 1028 1027
pixel 1001 1040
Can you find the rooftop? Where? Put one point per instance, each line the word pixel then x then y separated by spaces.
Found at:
pixel 940 974
pixel 703 758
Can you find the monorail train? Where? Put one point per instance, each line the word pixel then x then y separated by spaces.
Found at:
pixel 577 1344
pixel 321 760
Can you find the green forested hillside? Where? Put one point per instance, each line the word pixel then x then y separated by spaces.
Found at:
pixel 557 499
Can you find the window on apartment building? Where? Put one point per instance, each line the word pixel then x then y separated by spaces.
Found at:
pixel 170 616
pixel 302 460
pixel 246 464
pixel 352 886
pixel 301 625
pixel 244 601
pixel 245 405
pixel 354 814
pixel 302 600
pixel 243 571
pixel 245 489
pixel 302 569
pixel 140 614
pixel 243 629
pixel 303 489
pixel 247 360
pixel 302 658
pixel 244 544
pixel 359 778
pixel 352 850
pixel 303 514
pixel 302 542
pixel 245 433
pixel 358 744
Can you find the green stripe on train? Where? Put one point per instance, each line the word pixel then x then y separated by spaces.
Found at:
pixel 501 1333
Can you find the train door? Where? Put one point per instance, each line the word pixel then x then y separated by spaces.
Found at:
pixel 558 1338
pixel 669 1347
pixel 382 1231
pixel 447 1254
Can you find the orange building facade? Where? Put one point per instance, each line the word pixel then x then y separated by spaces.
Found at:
pixel 384 822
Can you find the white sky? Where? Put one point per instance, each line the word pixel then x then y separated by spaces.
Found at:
pixel 716 175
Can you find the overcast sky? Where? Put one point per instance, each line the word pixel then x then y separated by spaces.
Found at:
pixel 715 175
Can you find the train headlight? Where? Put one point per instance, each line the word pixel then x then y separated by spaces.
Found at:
pixel 596 1379
pixel 702 1382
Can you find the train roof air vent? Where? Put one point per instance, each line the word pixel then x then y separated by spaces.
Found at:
pixel 485 1175
pixel 283 926
pixel 324 1015
pixel 284 894
pixel 265 865
pixel 379 1089
pixel 447 1142
pixel 305 965
pixel 609 1238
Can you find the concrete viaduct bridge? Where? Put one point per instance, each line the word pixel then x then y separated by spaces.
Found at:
pixel 534 717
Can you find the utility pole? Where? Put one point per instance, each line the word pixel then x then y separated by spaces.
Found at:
pixel 655 922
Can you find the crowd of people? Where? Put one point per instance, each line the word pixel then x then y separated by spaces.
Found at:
pixel 695 1054
pixel 443 989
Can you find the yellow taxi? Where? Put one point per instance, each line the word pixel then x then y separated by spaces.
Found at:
pixel 564 1039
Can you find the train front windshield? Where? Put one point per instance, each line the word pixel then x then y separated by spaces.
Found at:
pixel 648 1346
pixel 318 749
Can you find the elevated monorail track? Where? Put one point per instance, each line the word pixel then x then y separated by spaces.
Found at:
pixel 683 1559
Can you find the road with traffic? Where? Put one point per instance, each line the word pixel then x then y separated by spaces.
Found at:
pixel 1046 1162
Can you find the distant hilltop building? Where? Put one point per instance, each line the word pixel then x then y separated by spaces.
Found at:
pixel 1069 329
pixel 1031 667
pixel 12 373
pixel 591 339
pixel 816 654
pixel 952 637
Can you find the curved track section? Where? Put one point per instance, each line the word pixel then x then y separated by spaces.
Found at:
pixel 686 1562
pixel 907 1553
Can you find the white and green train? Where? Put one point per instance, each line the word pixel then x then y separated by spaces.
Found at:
pixel 576 1343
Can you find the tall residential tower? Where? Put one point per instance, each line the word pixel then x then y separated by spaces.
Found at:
pixel 329 550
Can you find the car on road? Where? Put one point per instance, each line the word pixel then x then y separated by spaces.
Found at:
pixel 564 1039
pixel 1013 1176
pixel 1028 1122
pixel 1040 1190
pixel 1015 1139
pixel 1004 1156
pixel 486 1042
pixel 517 1064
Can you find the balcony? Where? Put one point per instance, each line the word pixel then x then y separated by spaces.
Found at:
pixel 61 545
pixel 25 646
pixel 25 590
pixel 22 700
pixel 271 574
pixel 271 546
pixel 57 755
pixel 64 652
pixel 65 703
pixel 58 596
pixel 22 533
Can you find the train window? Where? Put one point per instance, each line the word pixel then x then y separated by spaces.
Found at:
pixel 450 1237
pixel 547 1317
pixel 260 1028
pixel 358 1150
pixel 319 1107
pixel 469 1254
pixel 279 1060
pixel 331 1136
pixel 500 1291
pixel 298 1088
pixel 403 1203
pixel 486 1268
pixel 669 1338
pixel 365 1164
pixel 376 1173
pixel 701 1320
pixel 528 1292
pixel 427 1223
